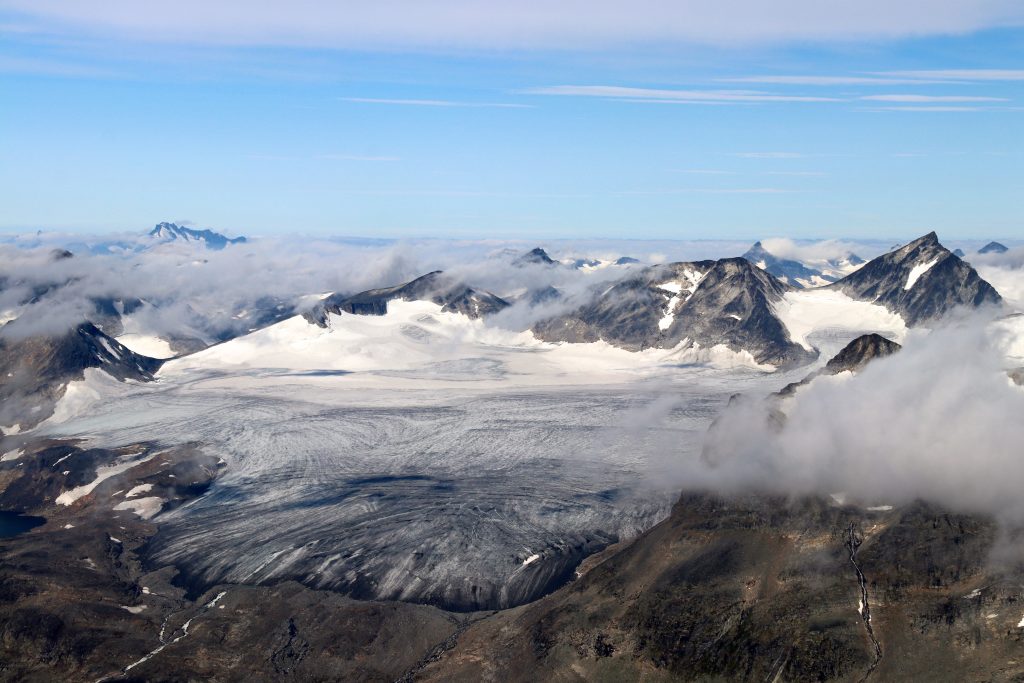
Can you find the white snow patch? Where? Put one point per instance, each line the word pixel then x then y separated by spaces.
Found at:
pixel 141 488
pixel 146 345
pixel 110 349
pixel 681 290
pixel 1020 624
pixel 102 474
pixel 79 396
pixel 917 271
pixel 213 602
pixel 807 311
pixel 12 430
pixel 138 609
pixel 880 508
pixel 69 526
pixel 973 594
pixel 12 455
pixel 145 508
pixel 531 559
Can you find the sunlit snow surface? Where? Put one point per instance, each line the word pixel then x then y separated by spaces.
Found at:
pixel 418 455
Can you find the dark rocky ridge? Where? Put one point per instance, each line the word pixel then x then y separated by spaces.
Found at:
pixel 451 295
pixel 731 304
pixel 947 284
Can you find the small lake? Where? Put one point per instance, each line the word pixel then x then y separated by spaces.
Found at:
pixel 13 523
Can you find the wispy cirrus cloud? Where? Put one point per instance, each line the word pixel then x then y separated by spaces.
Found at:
pixel 526 24
pixel 434 103
pixel 830 80
pixel 960 74
pixel 770 155
pixel 49 67
pixel 701 171
pixel 931 98
pixel 706 190
pixel 938 109
pixel 671 95
pixel 357 157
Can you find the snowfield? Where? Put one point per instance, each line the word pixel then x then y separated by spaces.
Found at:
pixel 827 310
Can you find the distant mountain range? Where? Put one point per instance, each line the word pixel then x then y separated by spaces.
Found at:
pixel 170 232
pixel 162 233
pixel 800 274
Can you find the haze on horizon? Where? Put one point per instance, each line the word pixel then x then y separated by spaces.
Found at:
pixel 691 120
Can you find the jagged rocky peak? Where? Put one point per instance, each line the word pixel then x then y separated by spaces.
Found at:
pixel 921 281
pixel 994 248
pixel 959 253
pixel 535 256
pixel 60 254
pixel 171 232
pixel 697 305
pixel 860 352
pixel 451 294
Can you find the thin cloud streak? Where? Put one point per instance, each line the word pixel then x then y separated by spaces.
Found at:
pixel 962 74
pixel 522 25
pixel 701 96
pixel 831 80
pixel 708 190
pixel 434 103
pixel 931 98
pixel 356 157
pixel 770 155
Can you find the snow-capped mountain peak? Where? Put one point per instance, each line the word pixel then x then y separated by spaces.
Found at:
pixel 172 232
pixel 921 281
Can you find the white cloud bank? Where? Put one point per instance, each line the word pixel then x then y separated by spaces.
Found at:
pixel 939 420
pixel 529 24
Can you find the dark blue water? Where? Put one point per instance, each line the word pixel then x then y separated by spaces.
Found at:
pixel 12 523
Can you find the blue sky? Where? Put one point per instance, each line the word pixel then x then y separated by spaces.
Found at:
pixel 631 121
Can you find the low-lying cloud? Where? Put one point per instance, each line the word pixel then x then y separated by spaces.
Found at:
pixel 940 421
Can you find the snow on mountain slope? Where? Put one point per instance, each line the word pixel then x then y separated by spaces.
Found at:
pixel 418 340
pixel 808 311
